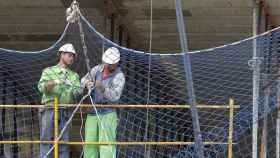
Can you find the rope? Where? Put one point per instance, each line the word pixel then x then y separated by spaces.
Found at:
pixel 82 35
pixel 67 123
pixel 102 126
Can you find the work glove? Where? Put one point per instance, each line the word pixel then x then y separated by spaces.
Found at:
pixel 57 81
pixel 52 83
pixel 89 84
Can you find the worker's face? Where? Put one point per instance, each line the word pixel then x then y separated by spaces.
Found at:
pixel 67 58
pixel 111 67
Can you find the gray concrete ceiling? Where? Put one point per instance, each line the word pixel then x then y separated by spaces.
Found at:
pixel 209 23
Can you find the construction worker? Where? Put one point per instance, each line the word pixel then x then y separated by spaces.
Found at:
pixel 61 82
pixel 106 82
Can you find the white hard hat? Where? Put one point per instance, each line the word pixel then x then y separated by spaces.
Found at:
pixel 68 47
pixel 111 56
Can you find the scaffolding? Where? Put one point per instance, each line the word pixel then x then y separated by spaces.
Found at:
pixel 56 142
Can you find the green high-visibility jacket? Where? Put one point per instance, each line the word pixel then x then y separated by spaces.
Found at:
pixel 65 92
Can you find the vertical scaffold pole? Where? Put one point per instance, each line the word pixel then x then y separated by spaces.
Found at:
pixel 189 87
pixel 230 131
pixel 56 127
pixel 255 63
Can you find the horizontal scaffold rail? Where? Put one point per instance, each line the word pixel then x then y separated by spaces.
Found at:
pixel 126 106
pixel 110 143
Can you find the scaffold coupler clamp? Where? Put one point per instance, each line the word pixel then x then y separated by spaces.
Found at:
pixel 255 62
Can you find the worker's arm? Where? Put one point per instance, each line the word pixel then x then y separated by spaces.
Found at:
pixel 89 79
pixel 46 83
pixel 76 86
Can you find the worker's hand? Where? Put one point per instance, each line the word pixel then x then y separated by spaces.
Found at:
pixel 57 81
pixel 89 84
pixel 99 86
pixel 67 82
pixel 50 84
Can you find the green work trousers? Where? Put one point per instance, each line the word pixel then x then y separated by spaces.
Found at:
pixel 103 130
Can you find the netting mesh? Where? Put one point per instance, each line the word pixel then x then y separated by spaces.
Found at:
pixel 218 74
